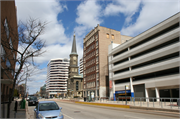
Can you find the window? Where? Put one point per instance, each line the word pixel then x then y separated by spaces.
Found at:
pixel 77 85
pixel 14 56
pixel 107 35
pixel 8 64
pixel 3 53
pixel 11 45
pixel 97 67
pixel 96 43
pixel 112 36
pixel 6 27
pixel 96 36
pixel 96 51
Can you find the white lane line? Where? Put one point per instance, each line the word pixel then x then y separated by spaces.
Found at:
pixel 133 117
pixel 68 116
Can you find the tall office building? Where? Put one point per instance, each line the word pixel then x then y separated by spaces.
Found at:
pixel 57 75
pixel 81 66
pixel 148 64
pixel 95 60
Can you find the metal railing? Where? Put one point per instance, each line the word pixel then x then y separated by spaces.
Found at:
pixel 169 103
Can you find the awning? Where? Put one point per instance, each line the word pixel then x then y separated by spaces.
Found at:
pixel 7 81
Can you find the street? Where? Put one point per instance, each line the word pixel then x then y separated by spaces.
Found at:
pixel 78 111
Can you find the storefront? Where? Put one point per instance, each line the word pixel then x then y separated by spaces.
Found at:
pixel 122 95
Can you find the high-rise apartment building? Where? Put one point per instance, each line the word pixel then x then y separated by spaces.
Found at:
pixel 81 66
pixel 57 75
pixel 95 60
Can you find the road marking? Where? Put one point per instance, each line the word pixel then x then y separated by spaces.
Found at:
pixel 133 117
pixel 67 116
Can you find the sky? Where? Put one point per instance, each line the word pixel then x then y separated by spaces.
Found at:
pixel 66 17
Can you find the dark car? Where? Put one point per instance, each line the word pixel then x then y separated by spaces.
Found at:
pixel 32 100
pixel 48 110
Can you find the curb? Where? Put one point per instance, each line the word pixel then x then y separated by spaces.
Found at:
pixel 103 104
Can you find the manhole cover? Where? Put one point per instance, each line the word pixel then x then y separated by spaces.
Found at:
pixel 76 111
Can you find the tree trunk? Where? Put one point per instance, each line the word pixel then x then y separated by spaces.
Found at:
pixel 10 99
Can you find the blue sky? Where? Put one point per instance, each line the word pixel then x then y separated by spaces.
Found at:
pixel 130 17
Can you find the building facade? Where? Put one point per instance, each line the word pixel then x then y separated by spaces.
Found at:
pixel 75 81
pixel 95 60
pixel 9 45
pixel 148 64
pixel 57 75
pixel 81 66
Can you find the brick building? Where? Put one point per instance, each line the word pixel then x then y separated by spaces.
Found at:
pixel 95 60
pixel 9 41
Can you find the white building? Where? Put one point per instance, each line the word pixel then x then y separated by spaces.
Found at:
pixel 81 66
pixel 147 64
pixel 57 75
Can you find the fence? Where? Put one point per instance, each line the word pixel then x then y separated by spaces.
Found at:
pixel 170 103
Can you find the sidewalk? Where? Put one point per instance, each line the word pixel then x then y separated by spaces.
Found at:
pixel 21 113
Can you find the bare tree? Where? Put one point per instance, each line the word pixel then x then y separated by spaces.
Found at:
pixel 31 71
pixel 29 47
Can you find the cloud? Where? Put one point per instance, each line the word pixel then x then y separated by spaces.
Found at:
pixel 45 11
pixel 89 13
pixel 126 7
pixel 152 12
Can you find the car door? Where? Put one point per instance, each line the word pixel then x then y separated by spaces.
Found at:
pixel 36 112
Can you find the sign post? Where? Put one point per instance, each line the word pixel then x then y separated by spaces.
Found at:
pixel 125 94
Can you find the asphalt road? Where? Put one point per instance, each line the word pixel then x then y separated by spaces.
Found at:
pixel 78 111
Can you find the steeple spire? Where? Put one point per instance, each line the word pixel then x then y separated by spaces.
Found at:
pixel 73 51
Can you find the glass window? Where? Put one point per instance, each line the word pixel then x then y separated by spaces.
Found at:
pixel 3 53
pixel 77 85
pixel 8 64
pixel 107 35
pixel 48 106
pixel 112 36
pixel 6 27
pixel 11 45
pixel 96 43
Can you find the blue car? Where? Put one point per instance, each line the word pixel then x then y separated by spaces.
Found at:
pixel 48 109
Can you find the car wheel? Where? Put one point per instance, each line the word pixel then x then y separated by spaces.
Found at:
pixel 28 104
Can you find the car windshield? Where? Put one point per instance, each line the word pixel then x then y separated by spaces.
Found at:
pixel 48 106
pixel 33 98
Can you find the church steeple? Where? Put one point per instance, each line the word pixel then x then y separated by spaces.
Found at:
pixel 73 51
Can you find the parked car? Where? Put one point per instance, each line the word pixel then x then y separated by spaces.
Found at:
pixel 28 98
pixel 48 109
pixel 32 100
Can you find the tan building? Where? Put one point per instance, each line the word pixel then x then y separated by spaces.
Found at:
pixel 95 57
pixel 9 44
pixel 75 81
